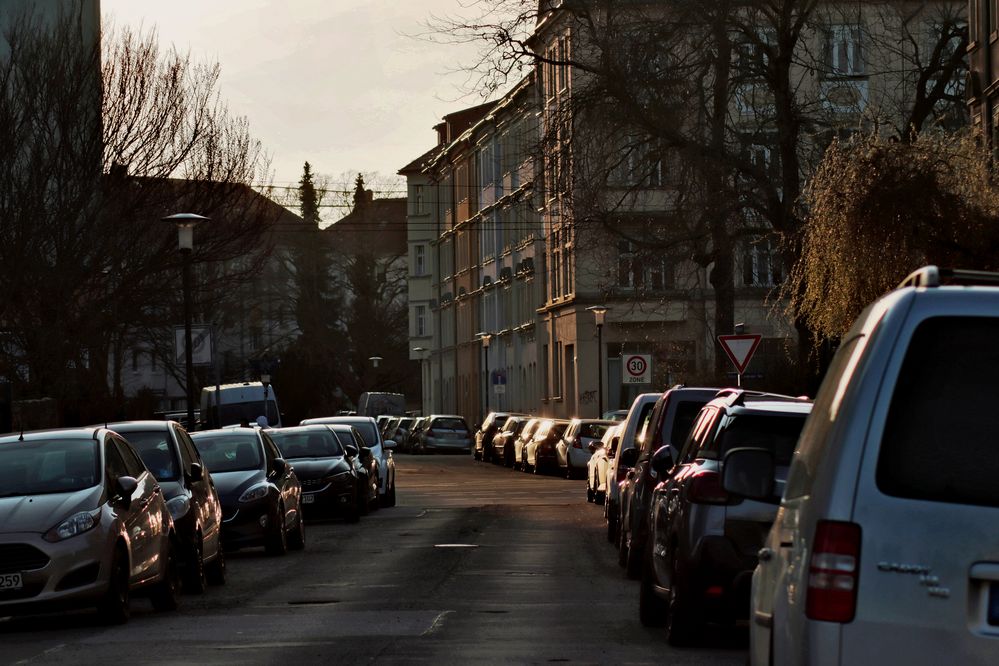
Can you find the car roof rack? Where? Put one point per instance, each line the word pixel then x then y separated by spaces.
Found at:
pixel 934 276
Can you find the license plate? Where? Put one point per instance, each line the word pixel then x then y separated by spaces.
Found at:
pixel 11 581
pixel 308 499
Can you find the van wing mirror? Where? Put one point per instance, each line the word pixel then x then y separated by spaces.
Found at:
pixel 750 473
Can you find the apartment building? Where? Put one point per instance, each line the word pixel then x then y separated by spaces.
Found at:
pixel 983 50
pixel 476 257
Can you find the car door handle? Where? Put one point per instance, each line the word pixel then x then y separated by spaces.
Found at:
pixel 765 554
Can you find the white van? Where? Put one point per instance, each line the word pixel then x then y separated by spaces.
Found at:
pixel 239 403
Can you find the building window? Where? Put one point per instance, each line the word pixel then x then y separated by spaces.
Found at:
pixel 761 264
pixel 420 317
pixel 844 55
pixel 650 270
pixel 420 260
pixel 418 200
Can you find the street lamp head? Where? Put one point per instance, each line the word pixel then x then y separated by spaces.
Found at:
pixel 485 337
pixel 599 312
pixel 419 349
pixel 375 360
pixel 185 228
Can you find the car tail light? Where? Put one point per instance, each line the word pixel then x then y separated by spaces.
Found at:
pixel 577 443
pixel 706 488
pixel 832 572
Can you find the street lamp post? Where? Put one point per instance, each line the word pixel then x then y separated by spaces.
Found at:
pixel 485 337
pixel 599 312
pixel 185 223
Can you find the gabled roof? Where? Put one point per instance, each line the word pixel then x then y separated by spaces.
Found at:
pixel 377 226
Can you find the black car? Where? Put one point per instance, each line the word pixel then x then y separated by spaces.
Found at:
pixel 363 461
pixel 260 494
pixel 190 495
pixel 331 483
pixel 669 425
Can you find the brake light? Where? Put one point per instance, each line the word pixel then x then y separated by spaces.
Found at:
pixel 706 488
pixel 832 572
pixel 577 443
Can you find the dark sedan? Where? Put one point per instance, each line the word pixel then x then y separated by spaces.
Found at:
pixel 330 483
pixel 168 452
pixel 363 462
pixel 260 493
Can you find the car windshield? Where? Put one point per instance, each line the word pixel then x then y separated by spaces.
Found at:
pixel 230 451
pixel 41 467
pixel 450 424
pixel 153 446
pixel 307 444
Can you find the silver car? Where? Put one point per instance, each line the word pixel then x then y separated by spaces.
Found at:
pixel 884 548
pixel 82 523
pixel 446 432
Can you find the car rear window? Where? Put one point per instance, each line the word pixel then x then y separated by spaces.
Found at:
pixel 777 434
pixel 450 424
pixel 939 442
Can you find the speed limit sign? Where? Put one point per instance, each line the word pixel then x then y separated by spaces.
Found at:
pixel 637 369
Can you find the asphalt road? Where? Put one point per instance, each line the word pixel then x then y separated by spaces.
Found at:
pixel 476 564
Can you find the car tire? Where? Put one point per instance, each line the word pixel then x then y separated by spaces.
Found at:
pixel 115 605
pixel 391 494
pixel 652 609
pixel 195 578
pixel 612 531
pixel 165 595
pixel 277 540
pixel 682 620
pixel 622 547
pixel 590 496
pixel 599 497
pixel 215 570
pixel 633 559
pixel 296 540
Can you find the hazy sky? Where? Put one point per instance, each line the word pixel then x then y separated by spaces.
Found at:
pixel 336 82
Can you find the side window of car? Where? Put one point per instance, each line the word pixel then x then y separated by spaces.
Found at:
pixel 693 443
pixel 114 465
pixel 653 439
pixel 187 456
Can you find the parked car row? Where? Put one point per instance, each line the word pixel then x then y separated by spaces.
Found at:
pixel 90 516
pixel 437 433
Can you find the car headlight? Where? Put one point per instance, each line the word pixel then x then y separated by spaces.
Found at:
pixel 340 477
pixel 76 524
pixel 178 507
pixel 255 493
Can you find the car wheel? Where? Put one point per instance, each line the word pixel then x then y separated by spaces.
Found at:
pixel 622 546
pixel 570 473
pixel 633 558
pixel 612 532
pixel 296 540
pixel 599 497
pixel 277 540
pixel 165 595
pixel 391 495
pixel 362 501
pixel 215 571
pixel 115 607
pixel 652 609
pixel 682 624
pixel 195 579
pixel 589 492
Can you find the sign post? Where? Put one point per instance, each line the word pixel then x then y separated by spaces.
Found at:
pixel 739 349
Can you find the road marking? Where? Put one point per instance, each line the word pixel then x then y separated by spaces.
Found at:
pixel 44 653
pixel 437 623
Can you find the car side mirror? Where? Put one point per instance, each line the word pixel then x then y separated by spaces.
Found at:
pixel 750 473
pixel 388 444
pixel 662 461
pixel 351 450
pixel 280 466
pixel 197 472
pixel 126 487
pixel 365 452
pixel 629 457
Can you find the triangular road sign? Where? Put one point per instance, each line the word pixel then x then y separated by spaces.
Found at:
pixel 740 349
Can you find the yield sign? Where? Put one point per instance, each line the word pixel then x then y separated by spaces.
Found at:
pixel 740 349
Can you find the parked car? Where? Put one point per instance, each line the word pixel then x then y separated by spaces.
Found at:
pixel 190 495
pixel 484 435
pixel 540 455
pixel 572 451
pixel 388 428
pixel 82 523
pixel 625 457
pixel 703 542
pixel 233 404
pixel 522 440
pixel 446 432
pixel 260 494
pixel 882 550
pixel 400 434
pixel 380 448
pixel 413 437
pixel 596 466
pixel 330 483
pixel 503 441
pixel 669 425
pixel 363 462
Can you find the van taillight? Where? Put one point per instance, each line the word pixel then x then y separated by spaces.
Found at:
pixel 706 488
pixel 577 443
pixel 832 572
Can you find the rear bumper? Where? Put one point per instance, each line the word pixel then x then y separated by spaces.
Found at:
pixel 439 444
pixel 721 568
